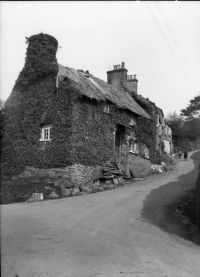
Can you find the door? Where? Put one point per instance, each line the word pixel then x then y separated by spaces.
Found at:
pixel 119 141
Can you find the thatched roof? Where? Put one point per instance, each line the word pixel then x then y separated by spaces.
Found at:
pixel 95 88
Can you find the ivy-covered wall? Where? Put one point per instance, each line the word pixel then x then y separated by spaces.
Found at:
pixel 81 131
pixel 147 131
pixel 93 131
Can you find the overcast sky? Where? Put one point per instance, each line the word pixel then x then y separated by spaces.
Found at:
pixel 158 41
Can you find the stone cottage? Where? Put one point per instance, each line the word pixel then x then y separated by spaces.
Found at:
pixel 59 117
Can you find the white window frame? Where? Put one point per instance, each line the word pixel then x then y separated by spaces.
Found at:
pixel 132 122
pixel 133 147
pixel 106 108
pixel 146 152
pixel 46 133
pixel 157 120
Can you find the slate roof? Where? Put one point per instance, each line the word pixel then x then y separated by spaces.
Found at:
pixel 94 88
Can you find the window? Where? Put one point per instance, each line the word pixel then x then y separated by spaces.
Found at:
pixel 157 120
pixel 146 152
pixel 106 108
pixel 133 147
pixel 46 133
pixel 132 122
pixel 160 129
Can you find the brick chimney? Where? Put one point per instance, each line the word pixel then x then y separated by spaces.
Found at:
pixel 132 83
pixel 118 76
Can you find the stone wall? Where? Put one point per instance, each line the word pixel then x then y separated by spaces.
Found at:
pixel 78 174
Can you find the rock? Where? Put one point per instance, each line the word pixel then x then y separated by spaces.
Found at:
pixel 53 195
pixel 106 186
pixel 35 197
pixel 96 185
pixel 115 181
pixel 76 191
pixel 116 172
pixel 108 177
pixel 138 166
pixel 108 182
pixel 64 182
pixel 86 189
pixel 120 180
pixel 66 191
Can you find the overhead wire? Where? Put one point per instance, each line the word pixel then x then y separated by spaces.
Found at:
pixel 169 45
pixel 177 45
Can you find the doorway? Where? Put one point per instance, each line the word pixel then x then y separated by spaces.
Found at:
pixel 119 140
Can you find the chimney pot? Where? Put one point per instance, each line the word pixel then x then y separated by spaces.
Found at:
pixel 132 83
pixel 118 76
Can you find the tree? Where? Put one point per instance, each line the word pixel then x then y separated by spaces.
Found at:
pixel 176 123
pixel 193 109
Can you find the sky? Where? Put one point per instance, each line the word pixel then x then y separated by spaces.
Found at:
pixel 158 41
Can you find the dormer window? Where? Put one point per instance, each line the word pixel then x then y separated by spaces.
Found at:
pixel 46 133
pixel 106 108
pixel 132 122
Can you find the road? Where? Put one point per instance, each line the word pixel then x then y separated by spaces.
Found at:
pixel 102 234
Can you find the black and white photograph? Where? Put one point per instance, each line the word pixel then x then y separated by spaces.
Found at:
pixel 100 138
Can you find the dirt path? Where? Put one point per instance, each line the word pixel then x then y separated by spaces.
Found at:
pixel 100 234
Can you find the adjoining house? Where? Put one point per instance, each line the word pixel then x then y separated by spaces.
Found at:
pixel 59 117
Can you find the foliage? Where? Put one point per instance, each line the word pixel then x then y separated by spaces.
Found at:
pixel 175 122
pixel 193 109
pixel 40 60
pixel 185 130
pixel 146 133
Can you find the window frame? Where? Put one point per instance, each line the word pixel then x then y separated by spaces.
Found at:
pixel 106 108
pixel 46 133
pixel 134 147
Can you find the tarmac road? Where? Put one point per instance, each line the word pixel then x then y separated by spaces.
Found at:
pixel 100 234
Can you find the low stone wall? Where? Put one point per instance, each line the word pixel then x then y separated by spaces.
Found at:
pixel 138 167
pixel 77 173
pixel 81 174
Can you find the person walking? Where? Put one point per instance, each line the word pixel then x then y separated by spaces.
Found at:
pixel 185 155
pixel 180 154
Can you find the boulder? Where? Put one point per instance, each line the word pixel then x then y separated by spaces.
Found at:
pixel 66 191
pixel 64 182
pixel 115 181
pixel 108 182
pixel 138 166
pixel 76 191
pixel 53 195
pixel 120 180
pixel 85 189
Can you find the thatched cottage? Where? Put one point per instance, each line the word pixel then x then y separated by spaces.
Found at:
pixel 59 117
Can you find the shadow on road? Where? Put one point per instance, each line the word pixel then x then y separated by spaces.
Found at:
pixel 160 206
